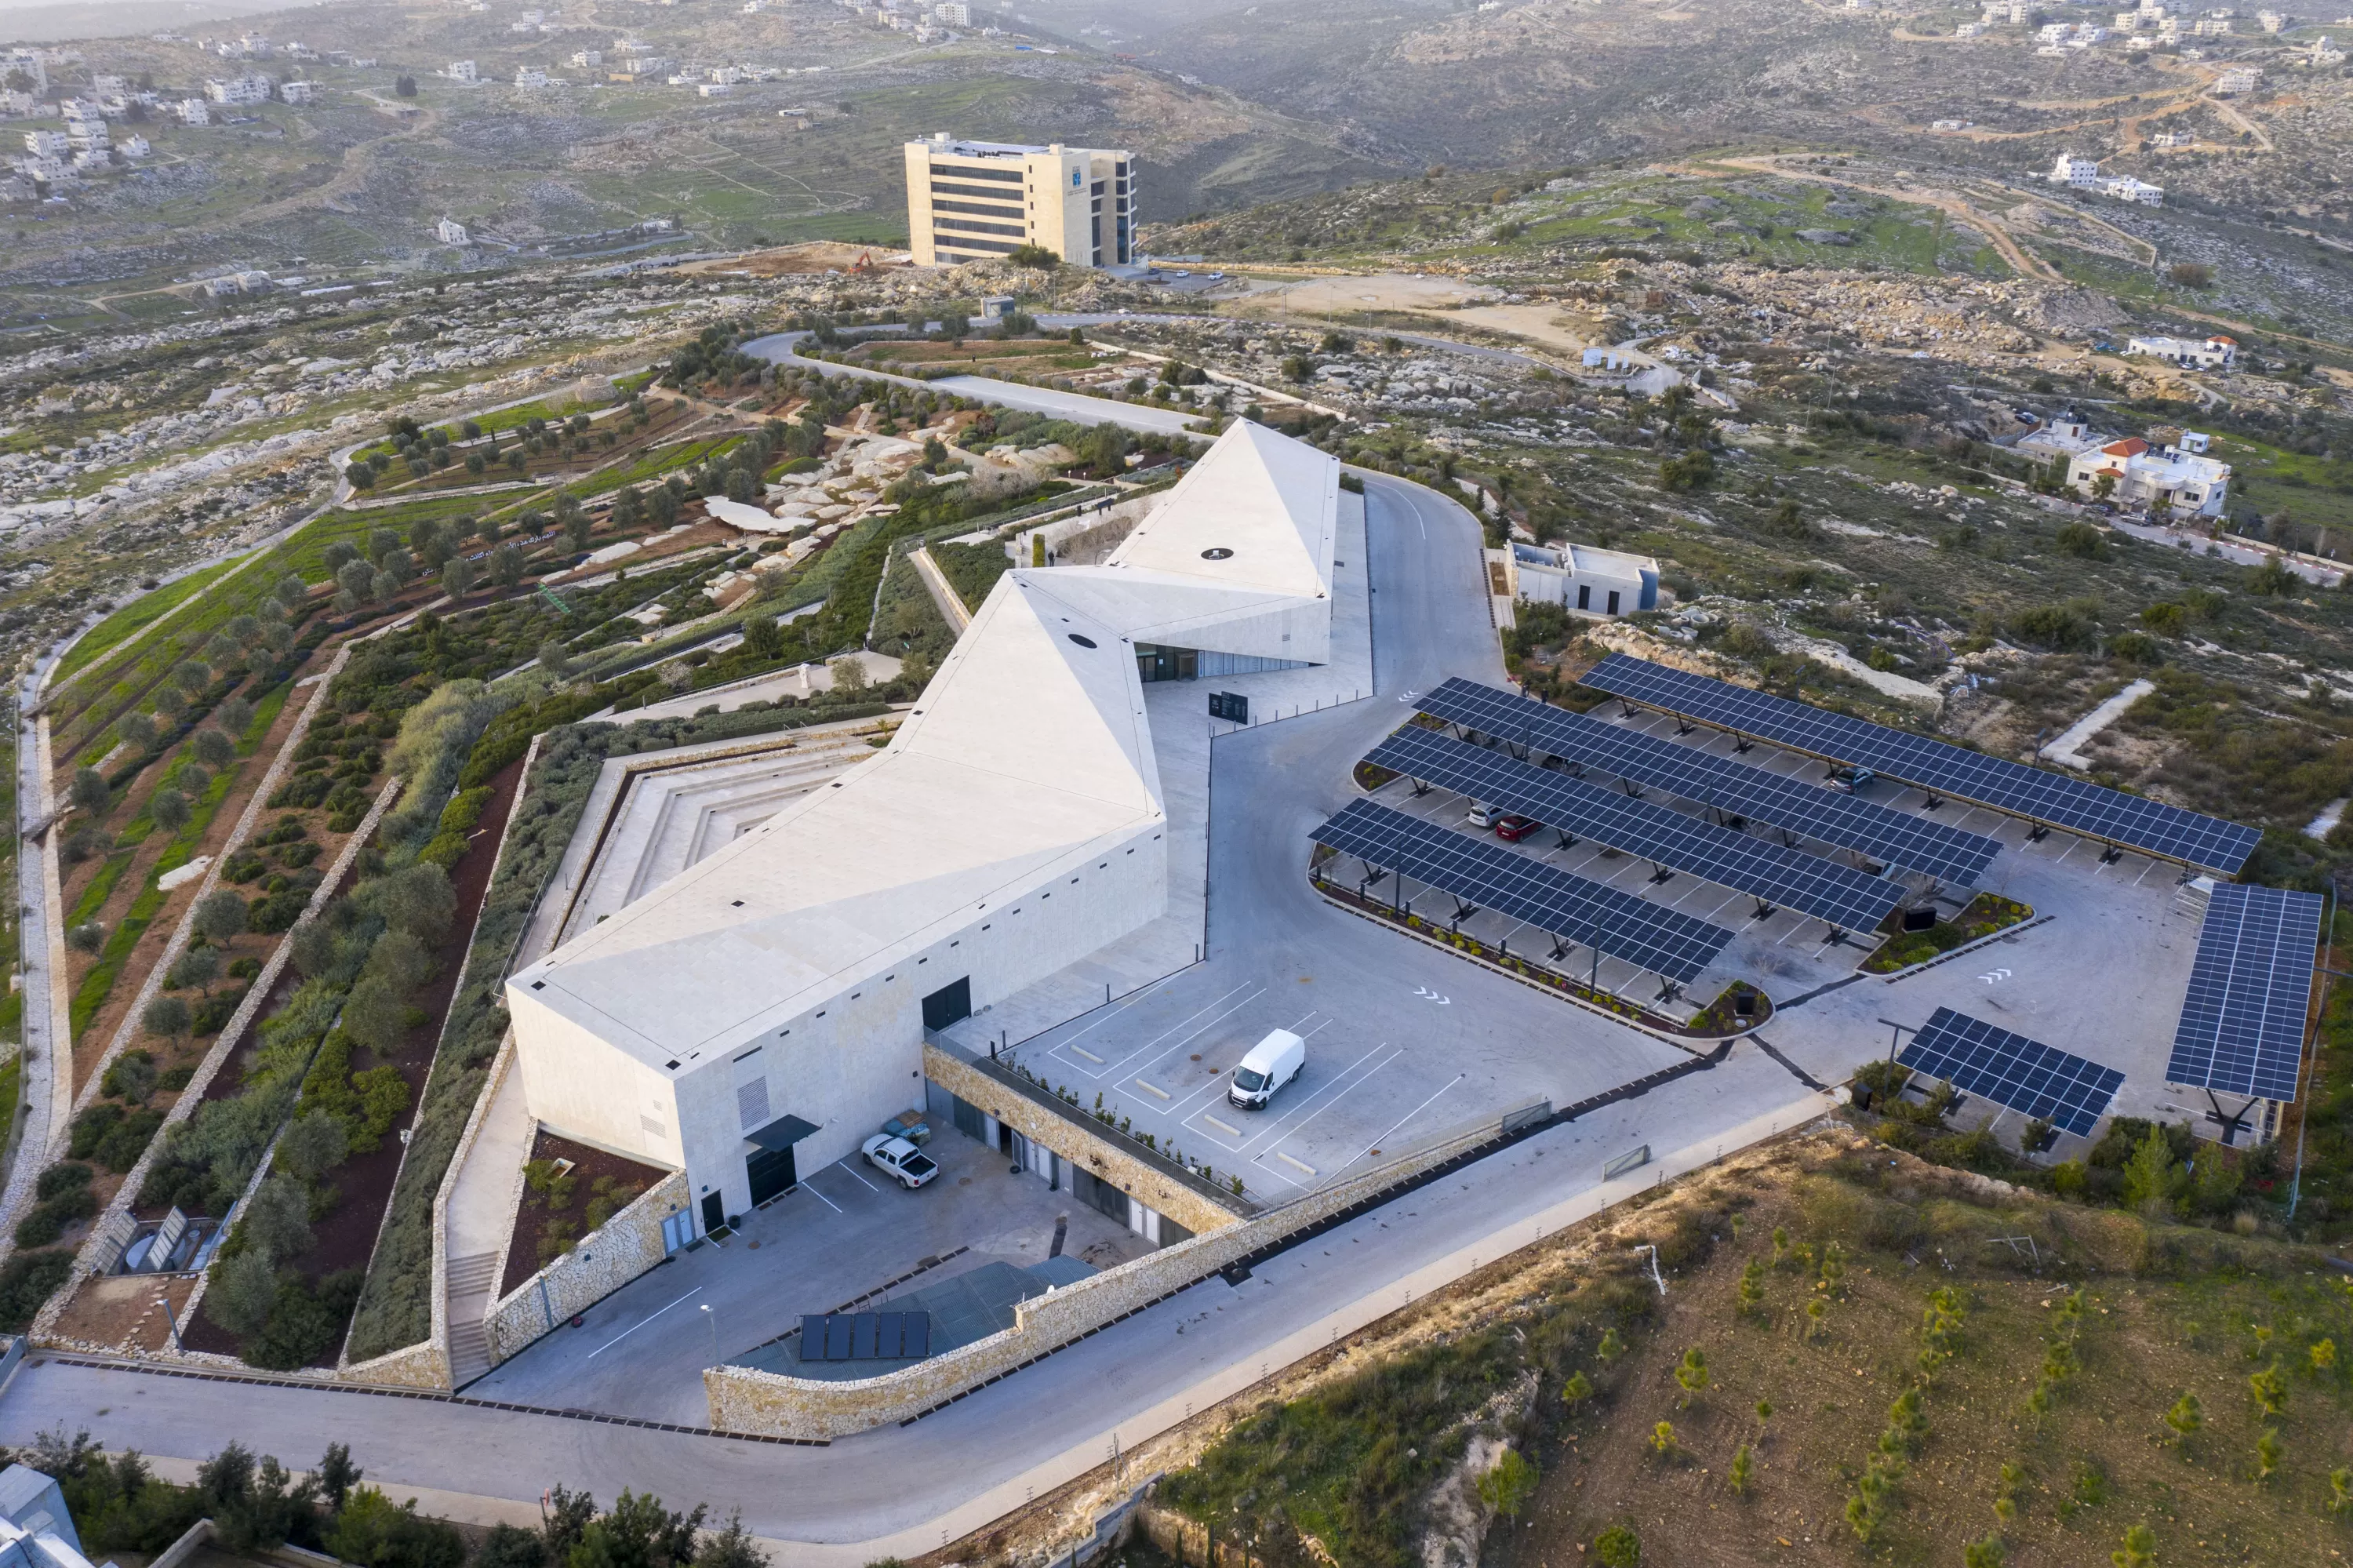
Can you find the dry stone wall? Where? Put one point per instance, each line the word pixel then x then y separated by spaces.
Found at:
pixel 1066 1134
pixel 626 1246
pixel 745 1399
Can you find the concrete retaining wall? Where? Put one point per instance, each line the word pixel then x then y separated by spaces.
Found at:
pixel 1067 1134
pixel 626 1246
pixel 743 1399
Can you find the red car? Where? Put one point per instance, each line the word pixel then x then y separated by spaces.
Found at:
pixel 1513 828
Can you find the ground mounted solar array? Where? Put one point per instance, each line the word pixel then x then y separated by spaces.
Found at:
pixel 1847 898
pixel 1571 907
pixel 2152 827
pixel 865 1335
pixel 2242 1029
pixel 2029 1077
pixel 1896 838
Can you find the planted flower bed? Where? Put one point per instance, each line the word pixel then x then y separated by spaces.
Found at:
pixel 1985 915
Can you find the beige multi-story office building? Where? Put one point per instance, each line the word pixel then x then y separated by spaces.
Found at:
pixel 971 201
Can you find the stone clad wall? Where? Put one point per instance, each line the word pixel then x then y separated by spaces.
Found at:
pixel 626 1246
pixel 1066 1133
pixel 745 1399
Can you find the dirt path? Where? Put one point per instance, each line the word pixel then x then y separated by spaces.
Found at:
pixel 1951 205
pixel 352 177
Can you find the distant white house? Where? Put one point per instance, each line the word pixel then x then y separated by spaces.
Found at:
pixel 2324 53
pixel 449 231
pixel 530 76
pixel 462 70
pixel 587 58
pixel 194 112
pixel 2237 80
pixel 46 144
pixel 2216 353
pixel 238 89
pixel 713 89
pixel 2124 187
pixel 956 14
pixel 2271 21
pixel 299 92
pixel 1584 580
pixel 136 147
pixel 2080 174
pixel 2141 475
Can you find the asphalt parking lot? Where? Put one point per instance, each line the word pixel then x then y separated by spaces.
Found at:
pixel 844 1232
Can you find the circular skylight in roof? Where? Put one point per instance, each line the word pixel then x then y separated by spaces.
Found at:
pixel 1082 640
pixel 1217 553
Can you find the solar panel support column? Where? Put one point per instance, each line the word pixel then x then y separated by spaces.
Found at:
pixel 1741 743
pixel 2113 853
pixel 1766 911
pixel 1684 726
pixel 1667 991
pixel 1420 788
pixel 2038 832
pixel 1568 839
pixel 1660 874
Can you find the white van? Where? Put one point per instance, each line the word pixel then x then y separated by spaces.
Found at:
pixel 1271 1063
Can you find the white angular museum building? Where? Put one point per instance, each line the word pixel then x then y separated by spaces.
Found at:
pixel 763 1012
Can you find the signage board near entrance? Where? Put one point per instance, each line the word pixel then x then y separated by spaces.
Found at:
pixel 1230 705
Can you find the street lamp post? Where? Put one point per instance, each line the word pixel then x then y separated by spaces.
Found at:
pixel 712 1318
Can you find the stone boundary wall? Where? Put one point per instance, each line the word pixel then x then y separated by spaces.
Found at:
pixel 626 1246
pixel 1069 1135
pixel 745 1399
pixel 49 1072
pixel 245 823
pixel 93 1259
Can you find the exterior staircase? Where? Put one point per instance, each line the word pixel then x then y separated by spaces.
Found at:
pixel 471 1280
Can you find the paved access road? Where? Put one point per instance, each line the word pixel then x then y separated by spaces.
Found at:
pixel 778 348
pixel 904 1490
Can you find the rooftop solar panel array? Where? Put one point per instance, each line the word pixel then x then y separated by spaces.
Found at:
pixel 1484 873
pixel 2150 826
pixel 1896 838
pixel 1825 889
pixel 2242 1029
pixel 2027 1076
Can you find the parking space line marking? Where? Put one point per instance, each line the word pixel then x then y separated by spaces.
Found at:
pixel 1089 1055
pixel 1408 1115
pixel 1221 1127
pixel 811 1189
pixel 638 1325
pixel 843 1166
pixel 1366 1078
pixel 1164 1033
pixel 1337 1079
pixel 1205 1028
pixel 1152 1090
pixel 1295 1164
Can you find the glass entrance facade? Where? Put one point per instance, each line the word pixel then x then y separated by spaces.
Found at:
pixel 1155 663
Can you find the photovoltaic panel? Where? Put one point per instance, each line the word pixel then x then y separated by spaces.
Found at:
pixel 1886 834
pixel 2242 1029
pixel 2027 1076
pixel 2078 806
pixel 1482 872
pixel 865 1335
pixel 1841 894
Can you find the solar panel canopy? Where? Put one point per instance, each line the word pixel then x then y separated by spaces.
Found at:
pixel 1484 873
pixel 1896 838
pixel 1839 894
pixel 2242 1029
pixel 2151 826
pixel 2029 1077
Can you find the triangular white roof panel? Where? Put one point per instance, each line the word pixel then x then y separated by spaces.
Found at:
pixel 1260 511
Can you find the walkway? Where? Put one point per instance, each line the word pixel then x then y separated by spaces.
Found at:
pixel 777 348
